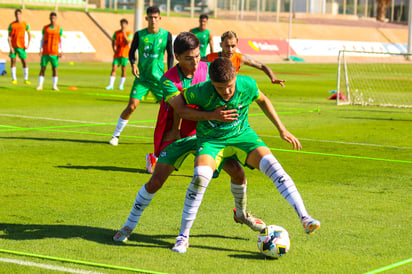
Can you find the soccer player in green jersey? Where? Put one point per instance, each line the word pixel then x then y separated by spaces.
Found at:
pixel 151 44
pixel 204 35
pixel 177 139
pixel 218 140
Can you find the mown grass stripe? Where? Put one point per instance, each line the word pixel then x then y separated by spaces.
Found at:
pixel 390 266
pixel 78 261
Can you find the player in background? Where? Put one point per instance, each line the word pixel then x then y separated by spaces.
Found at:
pixel 120 44
pixel 17 44
pixel 229 43
pixel 204 35
pixel 174 144
pixel 50 50
pixel 151 43
pixel 217 141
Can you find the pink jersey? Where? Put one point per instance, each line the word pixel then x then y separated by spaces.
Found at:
pixel 165 116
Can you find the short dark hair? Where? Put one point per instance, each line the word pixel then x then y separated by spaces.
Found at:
pixel 203 16
pixel 152 10
pixel 53 14
pixel 222 70
pixel 124 21
pixel 16 11
pixel 185 41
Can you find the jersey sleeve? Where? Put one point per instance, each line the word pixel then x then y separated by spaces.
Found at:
pixel 42 31
pixel 254 90
pixel 169 89
pixel 130 36
pixel 193 96
pixel 61 31
pixel 27 27
pixel 169 50
pixel 133 48
pixel 10 29
pixel 114 36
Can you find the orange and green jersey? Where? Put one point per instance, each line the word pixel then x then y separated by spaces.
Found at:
pixel 17 33
pixel 122 45
pixel 51 39
pixel 236 58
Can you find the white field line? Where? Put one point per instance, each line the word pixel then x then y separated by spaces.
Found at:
pixel 64 120
pixel 340 142
pixel 47 266
pixel 304 139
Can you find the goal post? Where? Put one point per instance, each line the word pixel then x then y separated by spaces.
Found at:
pixel 374 78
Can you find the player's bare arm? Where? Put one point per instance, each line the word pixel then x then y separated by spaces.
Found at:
pixel 266 106
pixel 11 47
pixel 28 39
pixel 178 103
pixel 246 60
pixel 211 45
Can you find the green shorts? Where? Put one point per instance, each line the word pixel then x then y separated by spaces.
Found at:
pixel 18 51
pixel 122 61
pixel 53 59
pixel 175 153
pixel 237 147
pixel 142 87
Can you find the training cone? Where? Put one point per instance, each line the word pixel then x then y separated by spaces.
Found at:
pixel 73 88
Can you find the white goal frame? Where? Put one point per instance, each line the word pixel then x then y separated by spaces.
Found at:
pixel 354 96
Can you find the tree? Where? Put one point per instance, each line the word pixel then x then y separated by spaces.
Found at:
pixel 381 9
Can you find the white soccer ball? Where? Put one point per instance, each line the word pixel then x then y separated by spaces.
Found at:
pixel 273 241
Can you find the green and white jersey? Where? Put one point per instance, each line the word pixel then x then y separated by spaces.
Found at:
pixel 170 89
pixel 152 47
pixel 203 38
pixel 206 97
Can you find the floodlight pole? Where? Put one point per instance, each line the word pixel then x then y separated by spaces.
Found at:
pixel 410 30
pixel 290 27
pixel 138 14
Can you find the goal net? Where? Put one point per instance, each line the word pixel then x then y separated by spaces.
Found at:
pixel 371 78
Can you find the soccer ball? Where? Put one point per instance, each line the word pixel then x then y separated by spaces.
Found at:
pixel 273 241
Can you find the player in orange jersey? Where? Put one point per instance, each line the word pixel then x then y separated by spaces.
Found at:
pixel 228 44
pixel 120 44
pixel 50 49
pixel 17 32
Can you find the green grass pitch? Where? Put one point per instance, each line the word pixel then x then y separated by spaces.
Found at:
pixel 64 191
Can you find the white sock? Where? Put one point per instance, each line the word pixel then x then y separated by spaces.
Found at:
pixel 13 73
pixel 55 80
pixel 239 193
pixel 122 80
pixel 41 80
pixel 284 184
pixel 26 74
pixel 143 199
pixel 111 82
pixel 120 126
pixel 194 195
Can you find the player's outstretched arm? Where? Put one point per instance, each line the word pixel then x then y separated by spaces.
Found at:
pixel 178 103
pixel 266 106
pixel 253 63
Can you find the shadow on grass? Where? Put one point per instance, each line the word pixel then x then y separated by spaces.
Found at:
pixel 251 256
pixel 107 168
pixel 379 119
pixel 64 140
pixel 115 168
pixel 23 232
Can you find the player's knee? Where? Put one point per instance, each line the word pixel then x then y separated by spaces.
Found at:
pixel 154 184
pixel 235 171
